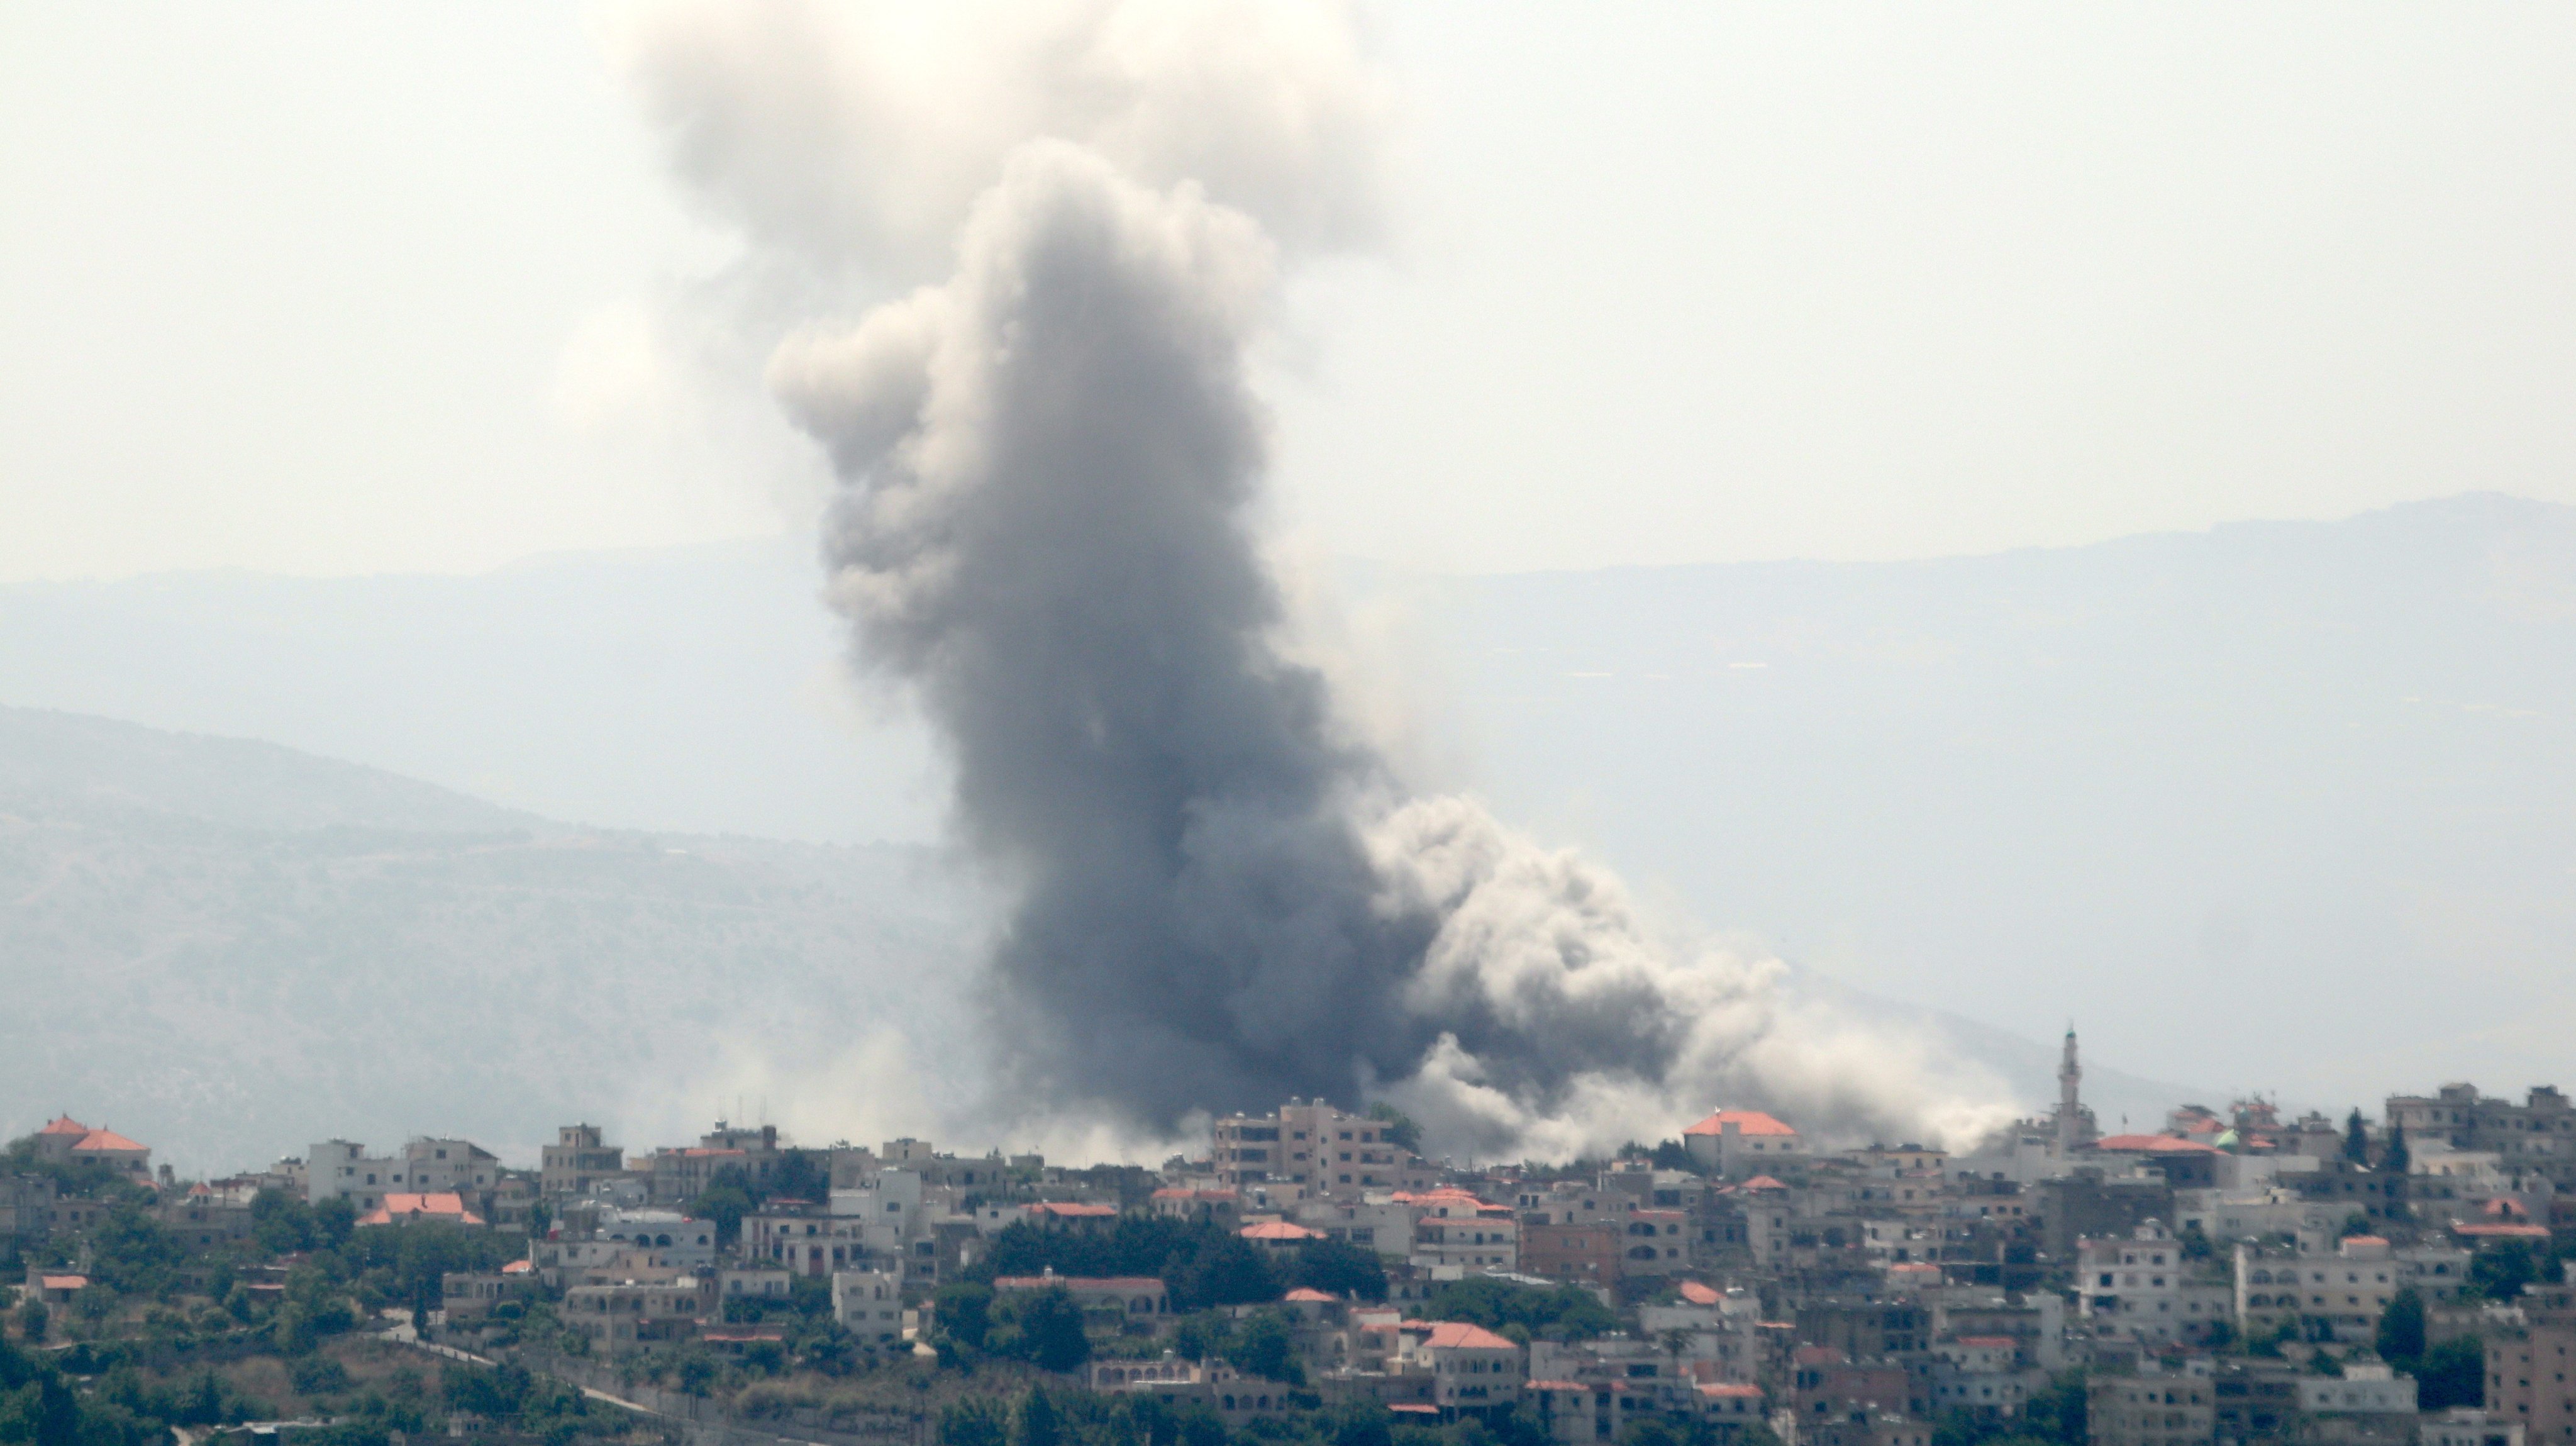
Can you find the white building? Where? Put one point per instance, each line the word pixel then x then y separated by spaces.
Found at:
pixel 869 1305
pixel 2138 1287
pixel 1741 1142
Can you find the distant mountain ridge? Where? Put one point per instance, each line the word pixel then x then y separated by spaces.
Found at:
pixel 2281 806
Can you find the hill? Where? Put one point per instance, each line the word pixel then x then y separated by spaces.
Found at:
pixel 231 949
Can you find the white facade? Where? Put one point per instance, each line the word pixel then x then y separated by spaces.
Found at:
pixel 869 1305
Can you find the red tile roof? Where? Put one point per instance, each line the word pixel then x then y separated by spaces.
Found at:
pixel 108 1140
pixel 1726 1390
pixel 1746 1122
pixel 444 1205
pixel 1071 1210
pixel 1458 1335
pixel 64 1282
pixel 1763 1182
pixel 64 1125
pixel 1698 1294
pixel 1306 1293
pixel 2502 1232
pixel 1279 1230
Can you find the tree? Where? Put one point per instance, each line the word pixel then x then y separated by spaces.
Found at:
pixel 32 1318
pixel 2356 1139
pixel 963 1311
pixel 2396 1161
pixel 725 1205
pixel 2401 1329
pixel 1036 1423
pixel 2056 1413
pixel 1051 1335
pixel 1401 1128
pixel 2454 1373
pixel 2499 1272
pixel 1266 1348
pixel 974 1421
pixel 334 1220
pixel 1337 1267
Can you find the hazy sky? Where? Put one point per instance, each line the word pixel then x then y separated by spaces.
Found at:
pixel 340 289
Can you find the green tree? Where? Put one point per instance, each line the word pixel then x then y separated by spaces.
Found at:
pixel 2396 1160
pixel 974 1421
pixel 281 1223
pixel 1051 1336
pixel 1337 1267
pixel 32 1318
pixel 1400 1126
pixel 963 1311
pixel 1267 1348
pixel 2356 1139
pixel 2454 1373
pixel 334 1220
pixel 2055 1412
pixel 2499 1272
pixel 1567 1312
pixel 2401 1329
pixel 725 1205
pixel 1035 1423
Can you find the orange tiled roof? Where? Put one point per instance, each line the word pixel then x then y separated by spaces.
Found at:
pixel 64 1125
pixel 1763 1182
pixel 1458 1335
pixel 64 1282
pixel 1309 1293
pixel 107 1140
pixel 1728 1390
pixel 439 1206
pixel 1746 1122
pixel 1698 1294
pixel 1279 1230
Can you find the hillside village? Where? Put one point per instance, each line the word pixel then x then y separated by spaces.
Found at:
pixel 2233 1277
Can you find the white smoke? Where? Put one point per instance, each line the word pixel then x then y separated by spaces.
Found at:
pixel 1048 455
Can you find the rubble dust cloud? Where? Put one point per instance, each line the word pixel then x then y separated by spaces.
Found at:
pixel 1050 466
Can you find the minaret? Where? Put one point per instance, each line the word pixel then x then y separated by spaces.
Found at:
pixel 2069 1075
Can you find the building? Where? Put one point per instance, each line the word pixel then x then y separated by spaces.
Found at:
pixel 2344 1292
pixel 1473 1370
pixel 869 1305
pixel 343 1170
pixel 619 1318
pixel 68 1141
pixel 1139 1298
pixel 1310 1150
pixel 578 1161
pixel 2530 1365
pixel 2139 1287
pixel 1739 1142
pixel 2159 1410
pixel 403 1208
pixel 2468 1426
pixel 1454 1230
pixel 2538 1134
pixel 1586 1254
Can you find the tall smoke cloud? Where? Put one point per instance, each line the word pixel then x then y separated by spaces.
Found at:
pixel 1050 462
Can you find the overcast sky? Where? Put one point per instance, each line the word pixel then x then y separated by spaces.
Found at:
pixel 340 289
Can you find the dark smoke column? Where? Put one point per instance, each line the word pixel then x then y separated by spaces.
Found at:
pixel 1045 469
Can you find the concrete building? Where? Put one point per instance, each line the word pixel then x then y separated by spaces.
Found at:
pixel 2150 1410
pixel 578 1161
pixel 1735 1143
pixel 2139 1287
pixel 869 1305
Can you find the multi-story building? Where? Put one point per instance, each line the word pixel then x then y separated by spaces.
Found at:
pixel 869 1305
pixel 2150 1410
pixel 1310 1150
pixel 2539 1133
pixel 2343 1292
pixel 1454 1230
pixel 343 1170
pixel 577 1161
pixel 2139 1287
pixel 1586 1254
pixel 2531 1367
pixel 1735 1143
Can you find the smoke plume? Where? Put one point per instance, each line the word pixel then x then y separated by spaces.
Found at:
pixel 1050 462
